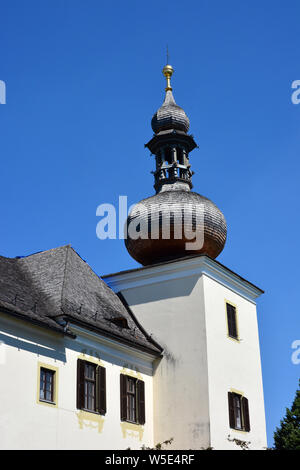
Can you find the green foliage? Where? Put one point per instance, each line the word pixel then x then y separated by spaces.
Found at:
pixel 287 436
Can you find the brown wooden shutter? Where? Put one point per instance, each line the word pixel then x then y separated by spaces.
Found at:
pixel 123 397
pixel 101 390
pixel 80 383
pixel 231 410
pixel 141 401
pixel 246 417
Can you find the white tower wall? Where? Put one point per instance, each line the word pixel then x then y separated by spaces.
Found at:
pixel 183 305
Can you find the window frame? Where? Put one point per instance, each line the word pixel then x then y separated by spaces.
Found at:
pixel 237 337
pixel 99 382
pixel 54 370
pixel 139 399
pixel 238 412
pixel 91 381
pixel 243 411
pixel 131 400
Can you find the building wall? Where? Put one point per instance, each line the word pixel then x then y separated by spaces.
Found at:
pixel 233 365
pixel 173 311
pixel 27 424
pixel 183 305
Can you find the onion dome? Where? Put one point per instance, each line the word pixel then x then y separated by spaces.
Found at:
pixel 209 230
pixel 175 222
pixel 169 115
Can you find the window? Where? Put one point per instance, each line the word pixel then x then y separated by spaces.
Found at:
pixel 168 155
pixel 238 412
pixel 91 387
pixel 132 399
pixel 179 153
pixel 232 321
pixel 47 384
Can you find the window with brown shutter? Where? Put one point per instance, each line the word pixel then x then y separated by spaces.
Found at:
pixel 245 405
pixel 123 397
pixel 91 387
pixel 101 390
pixel 238 407
pixel 132 398
pixel 141 401
pixel 231 410
pixel 232 321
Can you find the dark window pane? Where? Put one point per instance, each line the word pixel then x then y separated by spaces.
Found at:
pixel 237 411
pixel 131 398
pixel 130 385
pixel 231 319
pixel 90 386
pixel 131 407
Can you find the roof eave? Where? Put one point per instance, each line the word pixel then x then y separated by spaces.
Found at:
pixel 108 334
pixel 36 322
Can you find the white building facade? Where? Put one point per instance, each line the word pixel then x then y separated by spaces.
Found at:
pixel 76 368
pixel 183 304
pixel 28 422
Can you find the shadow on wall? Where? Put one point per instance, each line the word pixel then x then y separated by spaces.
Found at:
pixel 19 338
pixel 164 290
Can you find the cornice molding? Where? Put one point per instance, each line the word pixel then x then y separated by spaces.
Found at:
pixel 179 269
pixel 114 350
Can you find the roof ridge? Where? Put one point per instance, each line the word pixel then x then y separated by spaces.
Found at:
pixel 138 324
pixel 42 251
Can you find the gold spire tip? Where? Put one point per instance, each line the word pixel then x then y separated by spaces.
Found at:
pixel 168 72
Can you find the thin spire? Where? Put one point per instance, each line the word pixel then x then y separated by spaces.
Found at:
pixel 168 72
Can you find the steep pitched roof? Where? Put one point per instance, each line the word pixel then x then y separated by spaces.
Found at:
pixel 46 286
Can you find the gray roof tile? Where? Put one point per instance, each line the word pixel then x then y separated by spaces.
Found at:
pixel 49 285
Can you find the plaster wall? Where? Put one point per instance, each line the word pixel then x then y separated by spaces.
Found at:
pixel 25 423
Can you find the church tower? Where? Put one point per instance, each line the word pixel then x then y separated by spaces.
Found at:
pixel 207 387
pixel 170 220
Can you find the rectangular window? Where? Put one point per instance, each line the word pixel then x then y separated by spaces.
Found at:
pixel 239 418
pixel 91 387
pixel 131 399
pixel 132 393
pixel 232 321
pixel 47 383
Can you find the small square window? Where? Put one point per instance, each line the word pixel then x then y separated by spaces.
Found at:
pixel 47 385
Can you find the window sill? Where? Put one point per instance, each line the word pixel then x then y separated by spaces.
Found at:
pixel 89 411
pixel 240 430
pixel 234 338
pixel 47 402
pixel 131 422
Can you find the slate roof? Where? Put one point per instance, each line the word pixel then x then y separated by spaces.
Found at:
pixel 45 287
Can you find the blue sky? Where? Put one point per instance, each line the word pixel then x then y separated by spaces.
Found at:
pixel 83 80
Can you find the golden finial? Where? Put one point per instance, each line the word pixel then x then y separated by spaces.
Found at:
pixel 168 72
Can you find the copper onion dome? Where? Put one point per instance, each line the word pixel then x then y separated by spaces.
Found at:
pixel 175 222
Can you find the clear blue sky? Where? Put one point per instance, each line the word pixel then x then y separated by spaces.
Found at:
pixel 83 80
